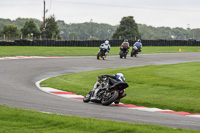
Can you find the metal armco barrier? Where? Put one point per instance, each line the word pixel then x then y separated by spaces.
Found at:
pixel 96 43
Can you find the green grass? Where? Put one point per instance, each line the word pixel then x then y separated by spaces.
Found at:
pixel 175 87
pixel 171 86
pixel 13 120
pixel 82 51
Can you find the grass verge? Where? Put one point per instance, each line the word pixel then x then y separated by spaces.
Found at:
pixel 15 120
pixel 174 87
pixel 82 51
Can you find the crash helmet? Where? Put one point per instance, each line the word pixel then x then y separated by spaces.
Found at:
pixel 120 76
pixel 106 42
pixel 139 40
pixel 125 40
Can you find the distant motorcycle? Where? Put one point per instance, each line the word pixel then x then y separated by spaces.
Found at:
pixel 134 51
pixel 101 53
pixel 123 51
pixel 106 96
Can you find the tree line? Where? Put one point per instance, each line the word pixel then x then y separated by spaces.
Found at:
pixel 23 28
pixel 28 28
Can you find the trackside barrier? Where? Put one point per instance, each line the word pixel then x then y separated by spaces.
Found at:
pixel 96 43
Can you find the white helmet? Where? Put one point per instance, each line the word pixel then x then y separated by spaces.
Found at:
pixel 120 76
pixel 106 42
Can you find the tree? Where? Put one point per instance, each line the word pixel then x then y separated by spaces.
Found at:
pixel 29 28
pixel 73 36
pixel 10 31
pixel 105 31
pixel 1 37
pixel 52 30
pixel 127 29
pixel 93 38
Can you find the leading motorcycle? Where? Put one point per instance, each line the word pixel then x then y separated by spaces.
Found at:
pixel 101 52
pixel 106 96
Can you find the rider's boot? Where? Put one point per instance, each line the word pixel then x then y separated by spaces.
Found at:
pixel 118 100
pixel 123 95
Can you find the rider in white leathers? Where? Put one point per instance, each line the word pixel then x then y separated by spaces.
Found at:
pixel 106 45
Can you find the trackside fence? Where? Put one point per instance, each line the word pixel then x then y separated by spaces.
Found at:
pixel 96 43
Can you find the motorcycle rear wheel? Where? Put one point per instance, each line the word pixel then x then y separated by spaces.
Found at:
pixel 132 53
pixel 108 100
pixel 121 54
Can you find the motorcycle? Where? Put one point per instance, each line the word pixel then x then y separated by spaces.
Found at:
pixel 123 51
pixel 101 53
pixel 135 51
pixel 106 96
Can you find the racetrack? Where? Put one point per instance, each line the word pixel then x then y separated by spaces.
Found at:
pixel 18 77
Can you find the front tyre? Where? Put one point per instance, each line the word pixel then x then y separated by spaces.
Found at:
pixel 109 98
pixel 98 56
pixel 87 97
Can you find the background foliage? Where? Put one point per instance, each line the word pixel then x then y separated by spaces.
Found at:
pixel 127 29
pixel 9 31
pixel 104 31
pixel 29 28
pixel 52 29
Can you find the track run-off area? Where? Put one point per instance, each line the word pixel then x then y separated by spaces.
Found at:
pixel 19 75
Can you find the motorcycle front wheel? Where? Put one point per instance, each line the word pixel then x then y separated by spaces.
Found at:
pixel 87 97
pixel 98 56
pixel 109 98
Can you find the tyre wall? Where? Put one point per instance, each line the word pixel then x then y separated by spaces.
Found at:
pixel 96 43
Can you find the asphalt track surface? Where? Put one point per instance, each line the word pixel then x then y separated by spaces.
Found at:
pixel 18 89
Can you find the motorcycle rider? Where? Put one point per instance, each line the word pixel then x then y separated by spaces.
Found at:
pixel 138 44
pixel 109 82
pixel 106 45
pixel 125 44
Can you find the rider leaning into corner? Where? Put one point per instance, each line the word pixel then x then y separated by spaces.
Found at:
pixel 138 44
pixel 111 80
pixel 106 45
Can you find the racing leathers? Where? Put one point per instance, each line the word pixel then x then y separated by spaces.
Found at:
pixel 107 47
pixel 125 45
pixel 138 45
